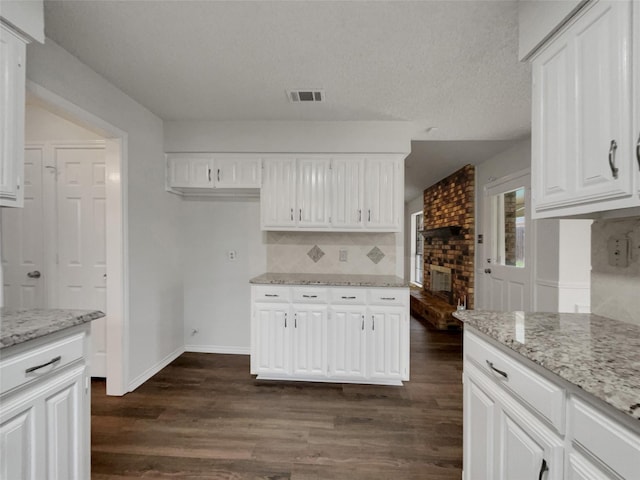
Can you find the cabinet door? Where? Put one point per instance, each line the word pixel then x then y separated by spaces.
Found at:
pixel 64 427
pixel 347 343
pixel 12 92
pixel 603 95
pixel 478 431
pixel 278 193
pixel 313 192
pixel 524 452
pixel 310 341
pixel 190 172
pixel 273 339
pixel 19 441
pixel 553 148
pixel 237 172
pixel 382 194
pixel 347 176
pixel 384 353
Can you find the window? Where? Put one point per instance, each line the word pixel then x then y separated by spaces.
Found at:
pixel 509 228
pixel 417 248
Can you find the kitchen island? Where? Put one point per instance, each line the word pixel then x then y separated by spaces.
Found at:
pixel 45 393
pixel 330 328
pixel 557 393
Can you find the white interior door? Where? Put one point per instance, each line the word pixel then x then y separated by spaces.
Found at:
pixel 508 259
pixel 22 241
pixel 81 237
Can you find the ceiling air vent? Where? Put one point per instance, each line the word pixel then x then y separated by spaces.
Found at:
pixel 305 96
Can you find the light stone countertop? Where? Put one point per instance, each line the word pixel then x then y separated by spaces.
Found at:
pixel 597 354
pixel 328 279
pixel 19 325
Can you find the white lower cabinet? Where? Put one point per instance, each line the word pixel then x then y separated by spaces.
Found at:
pixel 502 440
pixel 273 339
pixel 44 420
pixel 508 434
pixel 357 342
pixel 309 341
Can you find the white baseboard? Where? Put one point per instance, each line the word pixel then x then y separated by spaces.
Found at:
pixel 218 349
pixel 151 371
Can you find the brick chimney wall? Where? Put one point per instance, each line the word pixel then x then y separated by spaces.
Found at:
pixel 451 202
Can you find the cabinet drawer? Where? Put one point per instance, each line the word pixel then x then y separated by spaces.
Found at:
pixel 348 296
pixel 265 293
pixel 614 445
pixel 24 367
pixel 310 295
pixel 533 389
pixel 388 296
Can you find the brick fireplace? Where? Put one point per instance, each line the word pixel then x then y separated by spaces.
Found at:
pixel 451 203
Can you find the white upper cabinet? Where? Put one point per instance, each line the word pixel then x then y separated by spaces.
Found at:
pixel 190 171
pixel 237 172
pixel 278 194
pixel 383 184
pixel 12 93
pixel 313 208
pixel 213 174
pixel 583 146
pixel 347 177
pixel 336 193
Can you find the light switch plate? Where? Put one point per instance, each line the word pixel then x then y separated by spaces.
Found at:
pixel 343 255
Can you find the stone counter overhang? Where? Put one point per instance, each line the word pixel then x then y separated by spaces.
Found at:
pixel 330 280
pixel 20 325
pixel 599 355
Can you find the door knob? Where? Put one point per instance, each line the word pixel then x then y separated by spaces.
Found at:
pixel 487 270
pixel 34 274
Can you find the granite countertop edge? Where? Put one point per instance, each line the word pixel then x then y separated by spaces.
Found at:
pixel 330 280
pixel 21 325
pixel 599 355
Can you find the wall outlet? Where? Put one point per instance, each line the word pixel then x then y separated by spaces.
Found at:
pixel 232 255
pixel 618 251
pixel 343 255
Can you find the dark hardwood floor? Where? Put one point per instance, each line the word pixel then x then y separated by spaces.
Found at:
pixel 205 417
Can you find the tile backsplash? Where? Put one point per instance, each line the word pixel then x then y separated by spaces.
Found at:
pixel 615 290
pixel 319 252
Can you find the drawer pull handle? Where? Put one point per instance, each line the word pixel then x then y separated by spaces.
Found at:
pixel 373 323
pixel 499 372
pixel 271 295
pixel 348 298
pixel 309 296
pixel 612 159
pixel 285 320
pixel 638 151
pixel 38 367
pixel 543 468
pixel 387 298
pixel 362 322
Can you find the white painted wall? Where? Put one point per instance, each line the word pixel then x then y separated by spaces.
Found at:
pixel 155 295
pixel 411 207
pixel 216 290
pixel 41 125
pixel 295 137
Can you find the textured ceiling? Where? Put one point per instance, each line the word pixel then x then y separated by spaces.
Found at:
pixel 448 64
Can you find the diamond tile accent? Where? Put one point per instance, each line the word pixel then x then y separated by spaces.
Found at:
pixel 375 255
pixel 316 253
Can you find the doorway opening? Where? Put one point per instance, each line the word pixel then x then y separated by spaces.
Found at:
pixel 83 182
